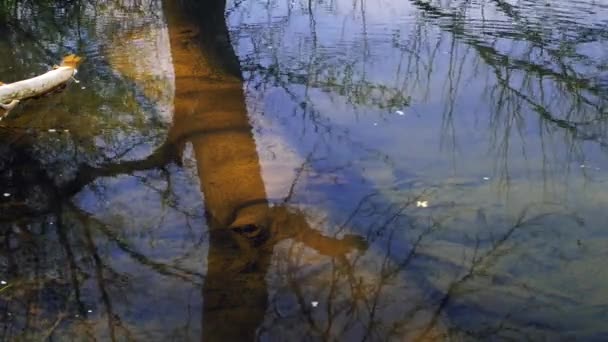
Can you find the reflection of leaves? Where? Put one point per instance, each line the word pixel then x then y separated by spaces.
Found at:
pixel 109 120
pixel 63 254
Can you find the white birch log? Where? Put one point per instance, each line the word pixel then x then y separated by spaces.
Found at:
pixel 36 86
pixel 11 94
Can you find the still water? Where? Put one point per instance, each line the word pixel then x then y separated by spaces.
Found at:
pixel 347 170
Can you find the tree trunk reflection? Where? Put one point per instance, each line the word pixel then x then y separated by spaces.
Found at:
pixel 210 113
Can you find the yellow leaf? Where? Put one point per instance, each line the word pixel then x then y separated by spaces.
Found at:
pixel 71 61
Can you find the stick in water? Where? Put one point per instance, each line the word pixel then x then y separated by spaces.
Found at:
pixel 12 94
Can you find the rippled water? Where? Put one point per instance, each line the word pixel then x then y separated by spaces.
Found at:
pixel 299 170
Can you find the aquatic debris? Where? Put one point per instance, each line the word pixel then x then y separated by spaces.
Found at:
pixel 52 130
pixel 486 178
pixel 83 88
pixel 8 107
pixel 5 287
pixel 399 112
pixel 375 124
pixel 90 311
pixel 422 204
pixel 2 282
pixel 12 94
pixel 6 194
pixel 314 304
pixel 585 166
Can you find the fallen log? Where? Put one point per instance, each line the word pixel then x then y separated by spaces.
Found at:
pixel 12 94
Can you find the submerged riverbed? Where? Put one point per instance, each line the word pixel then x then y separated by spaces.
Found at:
pixel 299 170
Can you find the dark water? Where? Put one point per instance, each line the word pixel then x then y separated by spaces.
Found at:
pixel 299 170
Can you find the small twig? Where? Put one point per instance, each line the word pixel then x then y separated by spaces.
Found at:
pixel 5 287
pixel 8 107
pixel 49 332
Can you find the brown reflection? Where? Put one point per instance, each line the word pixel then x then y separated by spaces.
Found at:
pixel 210 113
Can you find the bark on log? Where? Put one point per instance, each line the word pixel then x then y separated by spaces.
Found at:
pixel 11 94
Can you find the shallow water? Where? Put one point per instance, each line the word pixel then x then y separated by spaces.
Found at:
pixel 298 170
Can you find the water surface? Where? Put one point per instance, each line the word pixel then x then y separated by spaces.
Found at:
pixel 299 170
